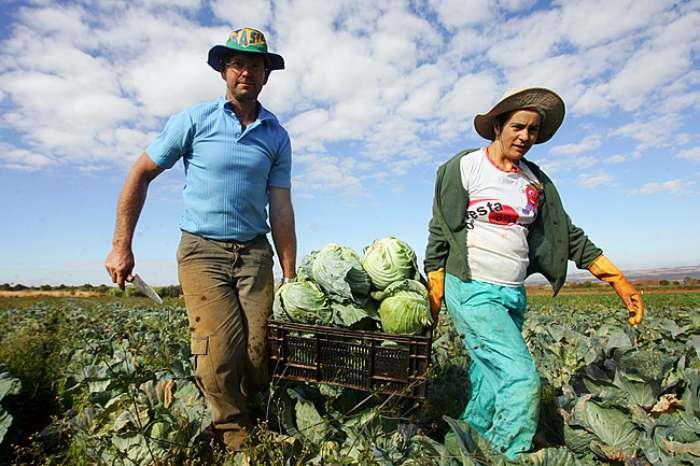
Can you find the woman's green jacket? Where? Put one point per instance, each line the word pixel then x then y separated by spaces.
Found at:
pixel 552 238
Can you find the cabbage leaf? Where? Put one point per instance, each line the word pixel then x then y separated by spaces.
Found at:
pixel 337 269
pixel 302 302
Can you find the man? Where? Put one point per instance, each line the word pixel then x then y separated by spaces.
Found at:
pixel 237 160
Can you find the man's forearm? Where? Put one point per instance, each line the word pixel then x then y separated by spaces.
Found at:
pixel 120 260
pixel 284 237
pixel 129 206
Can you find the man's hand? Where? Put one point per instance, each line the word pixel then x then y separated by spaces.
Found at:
pixel 436 290
pixel 605 270
pixel 119 264
pixel 283 282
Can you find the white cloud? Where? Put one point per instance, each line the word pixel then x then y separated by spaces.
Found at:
pixel 422 90
pixel 186 84
pixel 402 38
pixel 251 13
pixel 650 130
pixel 396 81
pixel 466 43
pixel 396 139
pixel 457 13
pixel 613 159
pixel 680 95
pixel 567 164
pixel 470 94
pixel 660 56
pixel 562 73
pixel 592 22
pixel 525 40
pixel 676 186
pixel 321 172
pixel 574 75
pixel 642 74
pixel 21 159
pixel 589 143
pixel 66 116
pixel 681 139
pixel 515 5
pixel 61 24
pixel 595 180
pixel 690 154
pixel 592 101
pixel 186 4
pixel 305 128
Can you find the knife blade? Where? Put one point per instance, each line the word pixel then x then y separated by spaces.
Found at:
pixel 143 287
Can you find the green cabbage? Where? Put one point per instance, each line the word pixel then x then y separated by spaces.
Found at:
pixel 302 302
pixel 8 386
pixel 304 272
pixel 552 456
pixel 618 435
pixel 404 308
pixel 389 260
pixel 337 269
pixel 577 440
pixel 356 318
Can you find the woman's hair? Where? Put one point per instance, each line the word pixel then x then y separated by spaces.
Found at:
pixel 500 120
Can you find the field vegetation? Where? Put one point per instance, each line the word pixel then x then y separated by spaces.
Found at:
pixel 107 380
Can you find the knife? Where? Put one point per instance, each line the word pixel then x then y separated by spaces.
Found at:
pixel 144 288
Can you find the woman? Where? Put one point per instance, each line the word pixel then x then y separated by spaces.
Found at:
pixel 497 218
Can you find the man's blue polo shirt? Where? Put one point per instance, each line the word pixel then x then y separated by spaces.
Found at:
pixel 228 172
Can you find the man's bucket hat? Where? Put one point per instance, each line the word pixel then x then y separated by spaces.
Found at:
pixel 547 103
pixel 246 40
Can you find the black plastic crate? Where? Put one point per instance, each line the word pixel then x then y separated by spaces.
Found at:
pixel 363 360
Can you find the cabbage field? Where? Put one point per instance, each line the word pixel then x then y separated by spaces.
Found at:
pixel 108 381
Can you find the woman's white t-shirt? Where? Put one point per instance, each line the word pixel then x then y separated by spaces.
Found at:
pixel 501 207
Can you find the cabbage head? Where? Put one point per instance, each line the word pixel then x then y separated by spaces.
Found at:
pixel 404 307
pixel 389 260
pixel 304 270
pixel 302 302
pixel 354 317
pixel 337 269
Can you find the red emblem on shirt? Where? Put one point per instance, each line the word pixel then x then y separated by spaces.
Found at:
pixel 504 216
pixel 533 197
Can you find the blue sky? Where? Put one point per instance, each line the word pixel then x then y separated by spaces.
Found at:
pixel 375 96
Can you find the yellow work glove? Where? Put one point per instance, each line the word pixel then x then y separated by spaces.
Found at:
pixel 436 289
pixel 605 270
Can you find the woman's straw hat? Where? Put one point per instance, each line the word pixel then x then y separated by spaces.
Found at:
pixel 547 103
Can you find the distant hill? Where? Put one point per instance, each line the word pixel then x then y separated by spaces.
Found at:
pixel 665 273
pixel 637 275
pixel 653 275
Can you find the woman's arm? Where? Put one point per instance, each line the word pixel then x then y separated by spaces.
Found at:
pixel 436 255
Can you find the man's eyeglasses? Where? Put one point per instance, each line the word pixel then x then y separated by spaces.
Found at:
pixel 238 65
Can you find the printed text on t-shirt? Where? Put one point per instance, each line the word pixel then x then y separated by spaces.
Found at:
pixel 498 213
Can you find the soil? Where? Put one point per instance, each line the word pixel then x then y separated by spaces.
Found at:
pixel 50 294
